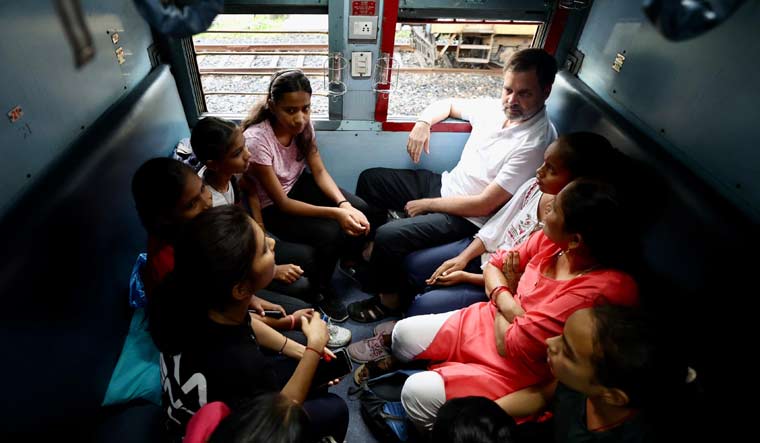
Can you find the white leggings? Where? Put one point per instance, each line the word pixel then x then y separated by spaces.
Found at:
pixel 423 393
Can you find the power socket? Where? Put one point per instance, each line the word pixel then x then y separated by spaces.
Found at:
pixel 362 27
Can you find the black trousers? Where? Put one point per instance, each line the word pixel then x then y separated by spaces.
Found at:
pixel 305 256
pixel 328 413
pixel 383 189
pixel 323 234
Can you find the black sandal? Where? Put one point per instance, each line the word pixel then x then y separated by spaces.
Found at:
pixel 369 310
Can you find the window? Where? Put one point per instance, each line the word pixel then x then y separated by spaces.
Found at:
pixel 238 54
pixel 452 58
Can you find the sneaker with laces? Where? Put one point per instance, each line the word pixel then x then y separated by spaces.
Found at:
pixel 339 336
pixel 334 309
pixel 385 328
pixel 369 349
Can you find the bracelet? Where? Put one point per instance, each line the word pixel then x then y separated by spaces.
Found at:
pixel 283 345
pixel 312 349
pixel 341 202
pixel 419 120
pixel 494 294
pixel 292 321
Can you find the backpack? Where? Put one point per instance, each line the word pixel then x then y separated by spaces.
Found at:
pixel 380 406
pixel 184 153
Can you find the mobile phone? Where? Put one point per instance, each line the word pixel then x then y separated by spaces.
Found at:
pixel 272 313
pixel 336 368
pixel 268 313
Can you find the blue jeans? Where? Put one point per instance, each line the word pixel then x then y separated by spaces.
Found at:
pixel 420 265
pixel 445 299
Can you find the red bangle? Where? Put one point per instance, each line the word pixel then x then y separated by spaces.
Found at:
pixel 494 295
pixel 292 321
pixel 496 290
pixel 312 349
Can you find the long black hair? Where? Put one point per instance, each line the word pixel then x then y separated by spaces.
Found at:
pixel 283 82
pixel 268 418
pixel 156 188
pixel 211 138
pixel 213 253
pixel 600 214
pixel 586 154
pixel 637 354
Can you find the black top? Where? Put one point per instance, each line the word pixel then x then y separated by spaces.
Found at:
pixel 225 364
pixel 570 422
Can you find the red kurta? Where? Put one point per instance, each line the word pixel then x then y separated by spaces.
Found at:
pixel 466 344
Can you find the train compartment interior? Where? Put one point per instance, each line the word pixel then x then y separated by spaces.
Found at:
pixel 90 91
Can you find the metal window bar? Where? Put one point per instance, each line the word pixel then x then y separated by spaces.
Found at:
pixel 317 93
pixel 285 54
pixel 250 31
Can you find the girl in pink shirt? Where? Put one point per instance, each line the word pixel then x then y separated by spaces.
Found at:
pixel 297 205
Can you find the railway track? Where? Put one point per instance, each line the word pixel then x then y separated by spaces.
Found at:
pixel 273 53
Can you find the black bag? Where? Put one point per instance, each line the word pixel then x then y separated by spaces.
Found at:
pixel 381 407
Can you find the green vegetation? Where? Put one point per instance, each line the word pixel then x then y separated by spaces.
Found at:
pixel 243 22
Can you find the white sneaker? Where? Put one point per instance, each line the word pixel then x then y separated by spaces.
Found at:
pixel 339 336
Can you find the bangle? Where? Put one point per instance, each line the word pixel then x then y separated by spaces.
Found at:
pixel 419 120
pixel 494 294
pixel 283 345
pixel 312 349
pixel 341 202
pixel 292 321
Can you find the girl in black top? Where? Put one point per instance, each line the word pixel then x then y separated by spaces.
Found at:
pixel 210 344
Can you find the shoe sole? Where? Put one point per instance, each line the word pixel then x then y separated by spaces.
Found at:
pixel 360 361
pixel 342 344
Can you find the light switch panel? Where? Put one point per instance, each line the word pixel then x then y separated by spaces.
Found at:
pixel 361 64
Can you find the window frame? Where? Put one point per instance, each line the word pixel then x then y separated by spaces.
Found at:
pixel 547 36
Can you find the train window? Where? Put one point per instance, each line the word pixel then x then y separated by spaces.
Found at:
pixel 452 58
pixel 238 54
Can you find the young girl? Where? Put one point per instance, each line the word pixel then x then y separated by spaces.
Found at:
pixel 220 146
pixel 300 206
pixel 210 344
pixel 611 372
pixel 167 194
pixel 473 420
pixel 580 154
pixel 493 349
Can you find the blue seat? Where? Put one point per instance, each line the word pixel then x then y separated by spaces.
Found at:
pixel 692 249
pixel 68 248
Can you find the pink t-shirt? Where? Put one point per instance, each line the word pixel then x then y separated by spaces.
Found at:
pixel 266 150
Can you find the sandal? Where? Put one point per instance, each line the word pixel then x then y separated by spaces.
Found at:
pixel 369 310
pixel 373 369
